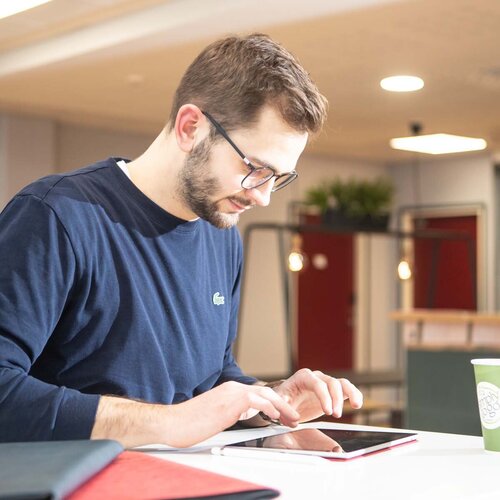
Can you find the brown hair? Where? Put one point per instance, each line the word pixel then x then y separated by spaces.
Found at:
pixel 234 77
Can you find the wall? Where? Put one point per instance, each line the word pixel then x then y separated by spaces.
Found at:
pixel 62 147
pixel 3 161
pixel 454 180
pixel 32 147
pixel 27 151
pixel 78 146
pixel 262 330
pixel 497 234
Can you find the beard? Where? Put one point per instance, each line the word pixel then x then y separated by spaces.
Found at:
pixel 197 188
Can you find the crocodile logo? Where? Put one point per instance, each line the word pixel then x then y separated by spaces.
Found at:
pixel 218 299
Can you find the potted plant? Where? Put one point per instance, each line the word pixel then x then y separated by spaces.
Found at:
pixel 356 205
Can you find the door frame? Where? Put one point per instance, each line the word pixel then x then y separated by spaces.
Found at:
pixel 406 216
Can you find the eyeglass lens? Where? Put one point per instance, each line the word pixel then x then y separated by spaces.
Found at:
pixel 261 175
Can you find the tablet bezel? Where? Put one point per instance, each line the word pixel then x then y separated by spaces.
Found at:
pixel 400 437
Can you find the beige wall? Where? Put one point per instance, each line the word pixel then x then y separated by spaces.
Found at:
pixel 262 330
pixel 78 146
pixel 33 147
pixel 27 151
pixel 455 180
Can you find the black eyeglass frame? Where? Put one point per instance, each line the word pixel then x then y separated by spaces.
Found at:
pixel 290 176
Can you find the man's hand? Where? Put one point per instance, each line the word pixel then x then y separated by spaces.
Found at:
pixel 304 396
pixel 312 394
pixel 180 425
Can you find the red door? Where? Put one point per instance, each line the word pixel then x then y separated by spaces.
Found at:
pixel 447 280
pixel 325 303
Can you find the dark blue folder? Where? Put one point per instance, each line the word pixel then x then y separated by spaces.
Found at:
pixel 51 469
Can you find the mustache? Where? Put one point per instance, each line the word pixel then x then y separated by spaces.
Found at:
pixel 242 201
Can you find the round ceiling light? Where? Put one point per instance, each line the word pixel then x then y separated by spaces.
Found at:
pixel 402 83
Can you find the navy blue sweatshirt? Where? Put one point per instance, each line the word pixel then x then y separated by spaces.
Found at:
pixel 104 292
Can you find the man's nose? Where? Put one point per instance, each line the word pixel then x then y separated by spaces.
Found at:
pixel 261 195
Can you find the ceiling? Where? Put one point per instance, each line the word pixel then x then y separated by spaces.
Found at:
pixel 116 63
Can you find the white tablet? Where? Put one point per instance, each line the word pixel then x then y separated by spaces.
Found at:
pixel 328 443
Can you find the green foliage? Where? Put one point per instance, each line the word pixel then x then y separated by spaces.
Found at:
pixel 318 197
pixel 356 198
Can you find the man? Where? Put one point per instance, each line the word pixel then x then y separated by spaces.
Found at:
pixel 119 282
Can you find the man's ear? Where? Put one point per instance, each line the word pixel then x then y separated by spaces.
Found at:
pixel 190 123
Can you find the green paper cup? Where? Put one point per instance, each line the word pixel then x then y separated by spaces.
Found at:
pixel 487 372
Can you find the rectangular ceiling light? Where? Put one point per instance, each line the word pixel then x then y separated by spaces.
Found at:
pixel 438 144
pixel 11 7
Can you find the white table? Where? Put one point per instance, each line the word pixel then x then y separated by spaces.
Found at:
pixel 439 466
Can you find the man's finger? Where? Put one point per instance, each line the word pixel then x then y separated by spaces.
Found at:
pixel 315 382
pixel 272 404
pixel 340 390
pixel 337 395
pixel 287 413
pixel 352 393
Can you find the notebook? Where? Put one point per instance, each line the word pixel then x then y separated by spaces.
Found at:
pixel 137 476
pixel 51 469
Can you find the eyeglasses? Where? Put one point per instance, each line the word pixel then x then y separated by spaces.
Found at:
pixel 257 175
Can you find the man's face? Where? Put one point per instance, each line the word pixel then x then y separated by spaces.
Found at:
pixel 210 181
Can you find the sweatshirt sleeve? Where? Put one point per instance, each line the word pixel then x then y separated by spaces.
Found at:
pixel 231 369
pixel 37 273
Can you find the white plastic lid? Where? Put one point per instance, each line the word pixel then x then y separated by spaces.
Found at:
pixel 486 361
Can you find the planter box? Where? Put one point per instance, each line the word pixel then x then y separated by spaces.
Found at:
pixel 344 222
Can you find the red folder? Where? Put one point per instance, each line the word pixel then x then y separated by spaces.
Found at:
pixel 135 475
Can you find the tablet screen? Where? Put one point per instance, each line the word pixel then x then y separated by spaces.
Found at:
pixel 334 443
